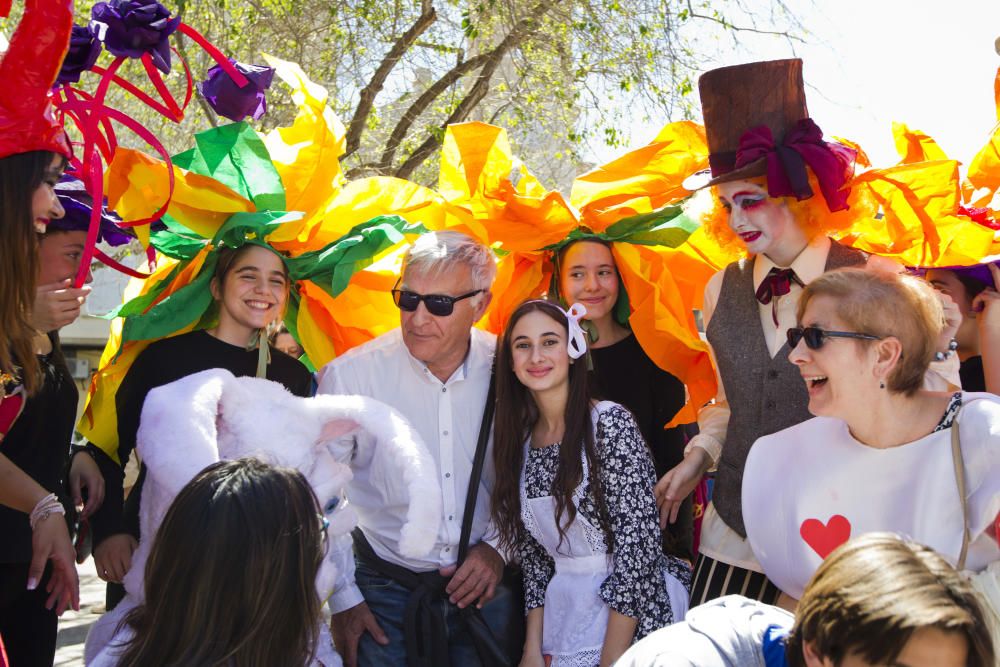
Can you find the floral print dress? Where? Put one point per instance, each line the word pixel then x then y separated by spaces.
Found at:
pixel 580 578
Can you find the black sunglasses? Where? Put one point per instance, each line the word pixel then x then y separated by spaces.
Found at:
pixel 437 304
pixel 815 337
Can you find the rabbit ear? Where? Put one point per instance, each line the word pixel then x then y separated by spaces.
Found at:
pixel 335 429
pixel 178 436
pixel 397 452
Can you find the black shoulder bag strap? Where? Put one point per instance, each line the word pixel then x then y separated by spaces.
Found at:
pixel 488 649
pixel 477 466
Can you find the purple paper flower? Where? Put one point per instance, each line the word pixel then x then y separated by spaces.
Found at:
pixel 84 48
pixel 229 100
pixel 130 28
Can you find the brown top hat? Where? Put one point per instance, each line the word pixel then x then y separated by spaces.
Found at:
pixel 757 124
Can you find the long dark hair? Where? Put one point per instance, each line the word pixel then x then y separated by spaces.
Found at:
pixel 516 414
pixel 231 578
pixel 20 176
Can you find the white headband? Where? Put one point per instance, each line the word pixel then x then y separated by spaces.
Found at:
pixel 577 344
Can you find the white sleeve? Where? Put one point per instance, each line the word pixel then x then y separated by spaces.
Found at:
pixel 327 380
pixel 713 419
pixel 346 593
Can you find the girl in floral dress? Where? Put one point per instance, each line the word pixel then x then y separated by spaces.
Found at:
pixel 574 497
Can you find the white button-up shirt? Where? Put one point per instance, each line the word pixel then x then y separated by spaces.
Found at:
pixel 447 415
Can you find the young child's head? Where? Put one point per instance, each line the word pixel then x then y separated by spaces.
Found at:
pixel 231 578
pixel 282 339
pixel 880 600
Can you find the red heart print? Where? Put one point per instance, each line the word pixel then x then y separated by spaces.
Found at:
pixel 824 538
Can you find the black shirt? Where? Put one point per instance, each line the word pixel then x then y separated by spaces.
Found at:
pixel 38 443
pixel 625 374
pixel 161 363
pixel 971 373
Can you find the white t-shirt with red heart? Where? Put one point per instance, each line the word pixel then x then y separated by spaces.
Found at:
pixel 813 486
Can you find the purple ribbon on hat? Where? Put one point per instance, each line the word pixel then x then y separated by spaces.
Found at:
pixel 803 145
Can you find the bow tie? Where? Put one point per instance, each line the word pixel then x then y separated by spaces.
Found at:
pixel 778 282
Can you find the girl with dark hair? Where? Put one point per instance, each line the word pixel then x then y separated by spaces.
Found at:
pixel 33 152
pixel 250 287
pixel 574 496
pixel 231 578
pixel 973 290
pixel 623 372
pixel 39 443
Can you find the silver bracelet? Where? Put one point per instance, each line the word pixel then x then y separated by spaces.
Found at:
pixel 44 508
pixel 942 356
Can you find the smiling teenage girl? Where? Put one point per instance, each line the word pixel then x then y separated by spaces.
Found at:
pixel 574 497
pixel 250 286
pixel 623 372
pixel 33 152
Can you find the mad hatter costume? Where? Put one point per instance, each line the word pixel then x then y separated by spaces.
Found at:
pixel 781 190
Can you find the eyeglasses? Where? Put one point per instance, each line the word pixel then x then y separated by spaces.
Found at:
pixel 815 337
pixel 437 304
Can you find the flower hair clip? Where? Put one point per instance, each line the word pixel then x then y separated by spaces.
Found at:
pixel 577 344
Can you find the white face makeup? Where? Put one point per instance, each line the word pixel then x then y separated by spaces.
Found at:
pixel 761 222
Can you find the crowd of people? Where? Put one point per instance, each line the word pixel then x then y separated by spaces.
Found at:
pixel 853 441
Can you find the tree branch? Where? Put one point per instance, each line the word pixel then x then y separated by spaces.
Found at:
pixel 479 89
pixel 374 86
pixel 421 103
pixel 182 50
pixel 726 24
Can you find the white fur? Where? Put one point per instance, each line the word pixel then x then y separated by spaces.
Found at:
pixel 212 416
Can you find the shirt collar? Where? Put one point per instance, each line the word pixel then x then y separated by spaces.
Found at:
pixel 479 358
pixel 809 265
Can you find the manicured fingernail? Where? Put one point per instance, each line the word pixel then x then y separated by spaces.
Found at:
pixel 32 583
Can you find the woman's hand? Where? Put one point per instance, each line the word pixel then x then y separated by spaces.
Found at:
pixel 85 474
pixel 952 320
pixel 679 482
pixel 50 541
pixel 113 557
pixel 57 305
pixel 532 654
pixel 987 306
pixel 532 659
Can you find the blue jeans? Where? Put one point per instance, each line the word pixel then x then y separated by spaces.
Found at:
pixel 387 601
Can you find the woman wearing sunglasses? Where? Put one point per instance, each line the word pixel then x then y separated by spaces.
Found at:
pixel 780 191
pixel 882 454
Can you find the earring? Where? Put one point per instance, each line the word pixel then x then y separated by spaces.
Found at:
pixel 881 385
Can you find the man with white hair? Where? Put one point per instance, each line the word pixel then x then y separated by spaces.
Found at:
pixel 435 369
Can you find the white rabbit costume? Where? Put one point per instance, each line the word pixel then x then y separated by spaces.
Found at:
pixel 212 416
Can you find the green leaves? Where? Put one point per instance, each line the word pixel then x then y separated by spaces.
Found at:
pixel 236 156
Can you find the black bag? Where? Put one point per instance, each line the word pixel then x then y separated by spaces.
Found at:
pixel 511 579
